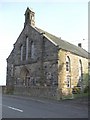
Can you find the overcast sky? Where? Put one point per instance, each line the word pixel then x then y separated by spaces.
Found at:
pixel 67 19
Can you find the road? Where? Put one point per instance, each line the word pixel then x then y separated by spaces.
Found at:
pixel 25 107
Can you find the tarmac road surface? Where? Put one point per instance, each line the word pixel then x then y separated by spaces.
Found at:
pixel 26 107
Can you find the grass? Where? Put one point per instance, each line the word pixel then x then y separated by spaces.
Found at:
pixel 74 96
pixel 81 95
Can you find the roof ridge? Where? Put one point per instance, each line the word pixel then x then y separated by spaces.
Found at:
pixel 61 39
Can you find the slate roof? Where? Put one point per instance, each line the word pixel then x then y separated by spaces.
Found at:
pixel 65 45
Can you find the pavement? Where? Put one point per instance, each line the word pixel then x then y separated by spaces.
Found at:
pixel 80 101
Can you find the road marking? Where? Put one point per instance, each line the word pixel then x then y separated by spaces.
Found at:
pixel 13 108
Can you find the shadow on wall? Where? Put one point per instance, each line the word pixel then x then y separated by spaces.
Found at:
pixel 82 85
pixel 60 67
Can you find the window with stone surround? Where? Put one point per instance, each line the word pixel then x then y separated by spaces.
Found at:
pixel 80 70
pixel 27 48
pixel 68 81
pixel 68 66
pixel 32 50
pixel 21 52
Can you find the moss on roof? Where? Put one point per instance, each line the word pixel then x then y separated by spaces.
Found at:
pixel 65 45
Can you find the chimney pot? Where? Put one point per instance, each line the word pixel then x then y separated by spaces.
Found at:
pixel 79 45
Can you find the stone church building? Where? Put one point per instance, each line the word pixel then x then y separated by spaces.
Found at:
pixel 44 65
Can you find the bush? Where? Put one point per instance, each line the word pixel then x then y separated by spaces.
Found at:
pixel 76 90
pixel 86 89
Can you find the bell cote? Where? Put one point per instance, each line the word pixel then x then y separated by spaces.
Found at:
pixel 29 17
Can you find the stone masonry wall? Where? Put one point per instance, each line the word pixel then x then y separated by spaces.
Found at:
pixel 41 70
pixel 74 73
pixel 37 91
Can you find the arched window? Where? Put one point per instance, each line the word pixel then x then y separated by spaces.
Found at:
pixel 80 70
pixel 32 50
pixel 68 81
pixel 21 52
pixel 68 69
pixel 27 40
pixel 68 66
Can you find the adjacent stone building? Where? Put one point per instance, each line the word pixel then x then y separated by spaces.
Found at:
pixel 44 65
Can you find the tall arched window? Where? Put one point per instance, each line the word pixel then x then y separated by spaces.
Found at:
pixel 32 50
pixel 68 66
pixel 27 40
pixel 21 52
pixel 68 69
pixel 80 70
